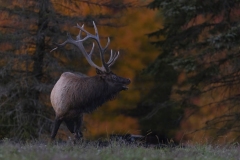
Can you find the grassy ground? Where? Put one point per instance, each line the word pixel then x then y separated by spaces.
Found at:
pixel 114 151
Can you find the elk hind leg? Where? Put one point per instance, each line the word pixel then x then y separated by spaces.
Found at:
pixel 57 123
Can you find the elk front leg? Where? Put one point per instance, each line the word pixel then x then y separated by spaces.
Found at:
pixel 77 130
pixel 56 126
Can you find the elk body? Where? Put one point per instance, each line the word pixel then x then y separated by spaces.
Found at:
pixel 74 94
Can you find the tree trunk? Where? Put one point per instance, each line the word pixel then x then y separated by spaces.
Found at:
pixel 40 43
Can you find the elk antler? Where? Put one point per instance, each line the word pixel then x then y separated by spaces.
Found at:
pixel 78 43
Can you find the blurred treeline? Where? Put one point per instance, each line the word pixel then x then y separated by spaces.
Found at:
pixel 182 57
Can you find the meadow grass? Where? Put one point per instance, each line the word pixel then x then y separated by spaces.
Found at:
pixel 113 151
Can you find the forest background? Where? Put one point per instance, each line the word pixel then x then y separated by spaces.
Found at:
pixel 181 57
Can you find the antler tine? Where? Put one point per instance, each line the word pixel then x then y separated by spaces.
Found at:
pixel 80 33
pixel 79 39
pixel 114 58
pixel 89 35
pixel 82 28
pixel 91 52
pixel 97 37
pixel 111 57
pixel 96 30
pixel 108 42
pixel 102 50
pixel 54 49
pixel 63 44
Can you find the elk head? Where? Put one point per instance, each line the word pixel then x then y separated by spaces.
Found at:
pixel 103 71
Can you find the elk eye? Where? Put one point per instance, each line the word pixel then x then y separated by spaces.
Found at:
pixel 114 77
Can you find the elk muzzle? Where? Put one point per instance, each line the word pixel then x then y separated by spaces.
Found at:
pixel 126 82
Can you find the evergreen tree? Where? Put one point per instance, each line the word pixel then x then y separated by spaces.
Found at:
pixel 155 111
pixel 200 40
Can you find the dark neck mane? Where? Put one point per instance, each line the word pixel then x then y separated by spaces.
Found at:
pixel 102 94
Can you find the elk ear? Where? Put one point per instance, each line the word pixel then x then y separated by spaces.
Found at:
pixel 99 71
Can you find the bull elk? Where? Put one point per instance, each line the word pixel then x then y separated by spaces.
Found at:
pixel 74 94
